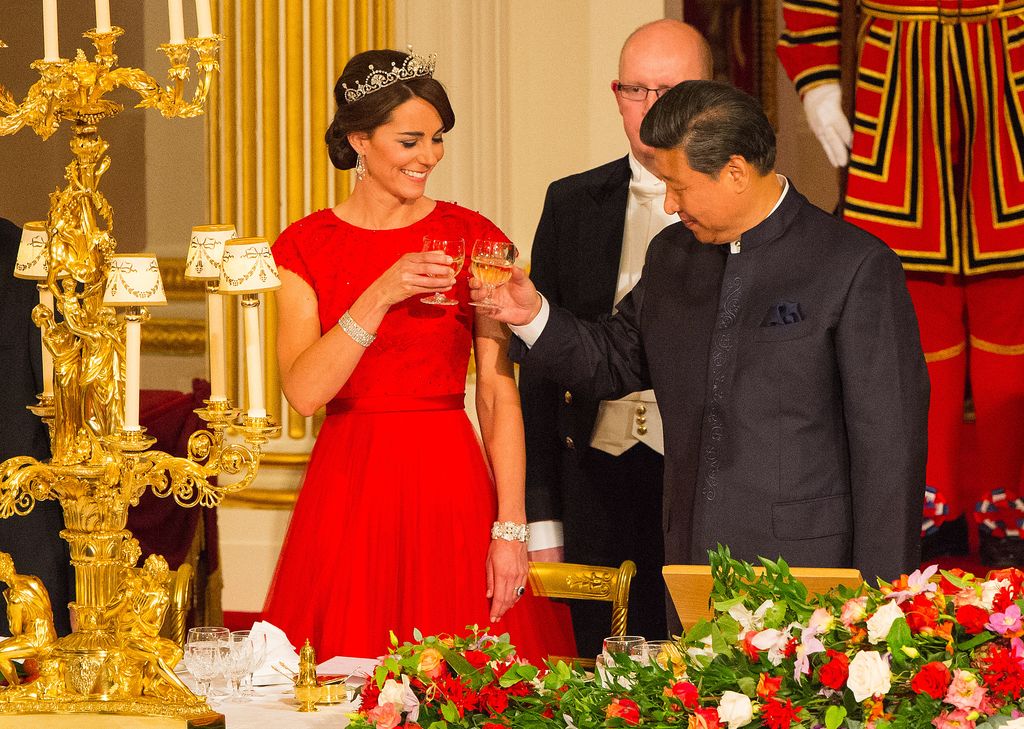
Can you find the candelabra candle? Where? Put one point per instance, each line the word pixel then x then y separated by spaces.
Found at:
pixel 253 355
pixel 203 20
pixel 247 268
pixel 205 251
pixel 133 348
pixel 46 299
pixel 102 16
pixel 176 18
pixel 51 45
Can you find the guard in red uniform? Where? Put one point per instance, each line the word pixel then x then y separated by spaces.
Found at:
pixel 936 170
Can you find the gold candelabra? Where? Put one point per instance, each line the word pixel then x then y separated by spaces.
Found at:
pixel 114 661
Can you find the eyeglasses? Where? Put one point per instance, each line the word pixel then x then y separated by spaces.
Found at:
pixel 629 92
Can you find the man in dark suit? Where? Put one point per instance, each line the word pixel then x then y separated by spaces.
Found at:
pixel 782 346
pixel 33 541
pixel 595 468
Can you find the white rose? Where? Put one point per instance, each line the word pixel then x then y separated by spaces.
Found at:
pixel 392 693
pixel 880 623
pixel 735 709
pixel 989 590
pixel 1014 724
pixel 869 675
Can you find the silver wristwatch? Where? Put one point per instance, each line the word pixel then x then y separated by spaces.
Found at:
pixel 510 531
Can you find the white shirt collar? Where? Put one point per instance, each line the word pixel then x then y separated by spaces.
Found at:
pixel 734 247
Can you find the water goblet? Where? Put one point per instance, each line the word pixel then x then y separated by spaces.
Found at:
pixel 491 262
pixel 203 660
pixel 454 247
pixel 615 648
pixel 259 655
pixel 238 660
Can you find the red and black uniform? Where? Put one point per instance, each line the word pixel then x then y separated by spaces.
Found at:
pixel 936 170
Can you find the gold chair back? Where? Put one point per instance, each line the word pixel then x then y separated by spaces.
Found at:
pixel 586 582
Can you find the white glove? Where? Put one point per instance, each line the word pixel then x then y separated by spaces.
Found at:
pixel 823 106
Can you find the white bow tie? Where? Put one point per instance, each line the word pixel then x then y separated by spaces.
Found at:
pixel 646 192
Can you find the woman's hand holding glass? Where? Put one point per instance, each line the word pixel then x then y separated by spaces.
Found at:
pixel 454 248
pixel 415 274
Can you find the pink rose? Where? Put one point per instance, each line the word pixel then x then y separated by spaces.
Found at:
pixel 385 716
pixel 965 692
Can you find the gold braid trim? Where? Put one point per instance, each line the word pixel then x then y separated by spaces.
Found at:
pixel 1008 349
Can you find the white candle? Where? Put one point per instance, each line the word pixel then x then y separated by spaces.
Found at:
pixel 133 337
pixel 215 312
pixel 50 43
pixel 177 21
pixel 203 18
pixel 46 299
pixel 254 360
pixel 102 16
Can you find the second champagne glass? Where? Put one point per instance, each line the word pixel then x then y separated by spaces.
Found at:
pixel 454 247
pixel 491 262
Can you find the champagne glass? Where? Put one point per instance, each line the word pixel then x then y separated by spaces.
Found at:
pixel 454 247
pixel 491 262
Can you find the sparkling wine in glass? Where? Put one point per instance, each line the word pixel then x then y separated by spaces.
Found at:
pixel 491 262
pixel 454 247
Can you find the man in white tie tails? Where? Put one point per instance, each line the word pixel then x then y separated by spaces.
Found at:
pixel 595 468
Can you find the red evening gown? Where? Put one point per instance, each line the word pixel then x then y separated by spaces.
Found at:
pixel 392 525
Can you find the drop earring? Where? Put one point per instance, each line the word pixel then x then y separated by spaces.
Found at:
pixel 360 167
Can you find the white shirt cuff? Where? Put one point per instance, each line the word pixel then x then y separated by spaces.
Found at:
pixel 545 535
pixel 531 332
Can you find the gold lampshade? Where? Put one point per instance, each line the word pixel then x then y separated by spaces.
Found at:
pixel 134 280
pixel 32 260
pixel 206 249
pixel 248 267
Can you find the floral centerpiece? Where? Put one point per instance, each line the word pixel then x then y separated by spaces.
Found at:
pixel 931 649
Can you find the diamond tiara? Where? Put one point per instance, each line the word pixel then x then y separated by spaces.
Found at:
pixel 414 66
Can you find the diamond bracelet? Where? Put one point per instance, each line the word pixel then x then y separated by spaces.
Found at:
pixel 359 335
pixel 510 531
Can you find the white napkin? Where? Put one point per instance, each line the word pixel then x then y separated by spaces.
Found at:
pixel 280 652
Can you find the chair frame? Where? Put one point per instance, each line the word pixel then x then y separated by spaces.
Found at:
pixel 586 582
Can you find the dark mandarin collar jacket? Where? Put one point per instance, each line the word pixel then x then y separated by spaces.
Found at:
pixel 791 383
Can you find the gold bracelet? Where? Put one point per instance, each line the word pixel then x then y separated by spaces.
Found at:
pixel 359 335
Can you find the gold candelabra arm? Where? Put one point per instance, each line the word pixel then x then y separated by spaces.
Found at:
pixel 23 482
pixel 171 100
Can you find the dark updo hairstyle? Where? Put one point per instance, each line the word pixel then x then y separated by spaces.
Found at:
pixel 368 112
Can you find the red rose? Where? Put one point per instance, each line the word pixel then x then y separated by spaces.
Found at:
pixel 972 618
pixel 685 692
pixel 477 659
pixel 492 725
pixel 625 709
pixel 933 679
pixel 834 673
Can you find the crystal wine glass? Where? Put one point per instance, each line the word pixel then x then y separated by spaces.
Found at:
pixel 491 262
pixel 454 247
pixel 237 663
pixel 259 654
pixel 204 649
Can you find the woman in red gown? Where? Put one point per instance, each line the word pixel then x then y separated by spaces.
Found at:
pixel 392 528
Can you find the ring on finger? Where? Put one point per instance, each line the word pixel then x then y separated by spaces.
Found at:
pixel 520 591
